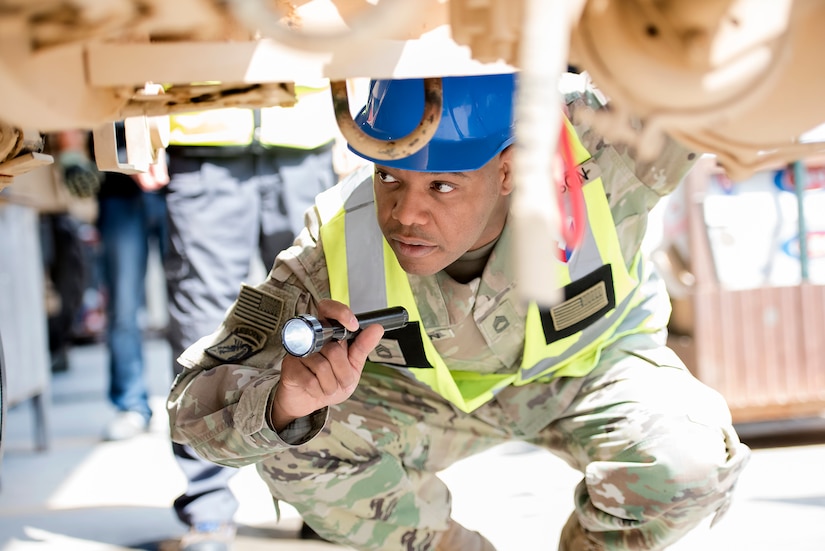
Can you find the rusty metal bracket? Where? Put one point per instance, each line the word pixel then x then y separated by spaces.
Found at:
pixel 387 150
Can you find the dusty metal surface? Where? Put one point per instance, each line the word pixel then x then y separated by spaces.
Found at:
pixel 737 78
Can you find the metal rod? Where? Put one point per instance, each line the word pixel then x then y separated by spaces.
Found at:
pixel 799 183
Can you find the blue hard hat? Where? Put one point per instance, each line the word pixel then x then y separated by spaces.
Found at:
pixel 476 121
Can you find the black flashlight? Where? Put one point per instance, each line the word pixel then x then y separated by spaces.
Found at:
pixel 304 335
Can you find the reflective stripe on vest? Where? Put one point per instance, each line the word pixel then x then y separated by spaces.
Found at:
pixel 561 341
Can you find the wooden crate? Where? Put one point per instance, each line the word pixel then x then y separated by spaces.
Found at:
pixel 762 348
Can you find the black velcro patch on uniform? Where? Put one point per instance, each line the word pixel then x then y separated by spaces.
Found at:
pixel 259 309
pixel 241 343
pixel 402 346
pixel 585 300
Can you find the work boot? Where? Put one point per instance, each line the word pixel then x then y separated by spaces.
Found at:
pixel 575 538
pixel 458 538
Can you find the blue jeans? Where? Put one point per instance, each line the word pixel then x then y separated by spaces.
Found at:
pixel 126 225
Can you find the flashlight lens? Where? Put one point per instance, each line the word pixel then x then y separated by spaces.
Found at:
pixel 298 337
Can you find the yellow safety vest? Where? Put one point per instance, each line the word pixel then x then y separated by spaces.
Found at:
pixel 310 123
pixel 564 340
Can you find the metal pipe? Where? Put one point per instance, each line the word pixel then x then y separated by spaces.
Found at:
pixel 384 18
pixel 799 183
pixel 535 209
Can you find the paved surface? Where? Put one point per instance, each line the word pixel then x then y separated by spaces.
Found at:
pixel 85 494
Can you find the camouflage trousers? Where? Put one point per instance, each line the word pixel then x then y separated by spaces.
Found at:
pixel 655 446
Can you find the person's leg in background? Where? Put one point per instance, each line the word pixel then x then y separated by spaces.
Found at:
pixel 67 272
pixel 289 180
pixel 157 232
pixel 213 213
pixel 223 212
pixel 123 232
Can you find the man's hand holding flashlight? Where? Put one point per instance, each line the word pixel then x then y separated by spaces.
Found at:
pixel 327 377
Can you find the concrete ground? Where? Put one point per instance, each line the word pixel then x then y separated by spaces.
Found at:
pixel 85 494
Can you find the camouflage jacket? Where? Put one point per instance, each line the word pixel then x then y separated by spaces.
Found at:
pixel 219 404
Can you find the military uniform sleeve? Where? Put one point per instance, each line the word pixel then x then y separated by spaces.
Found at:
pixel 633 186
pixel 661 174
pixel 219 404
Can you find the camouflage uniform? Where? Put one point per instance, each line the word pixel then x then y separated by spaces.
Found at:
pixel 655 446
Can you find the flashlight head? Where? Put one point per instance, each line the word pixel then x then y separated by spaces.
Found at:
pixel 301 336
